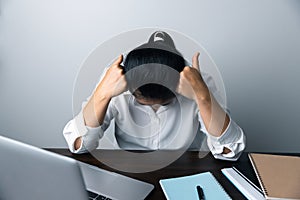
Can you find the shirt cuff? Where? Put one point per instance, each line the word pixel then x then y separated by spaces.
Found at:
pixel 77 128
pixel 90 141
pixel 233 138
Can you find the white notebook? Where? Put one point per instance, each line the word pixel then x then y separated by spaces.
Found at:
pixel 243 184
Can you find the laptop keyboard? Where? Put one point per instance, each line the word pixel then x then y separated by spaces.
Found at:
pixel 95 196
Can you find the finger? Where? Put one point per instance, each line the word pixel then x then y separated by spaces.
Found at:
pixel 195 61
pixel 178 86
pixel 119 60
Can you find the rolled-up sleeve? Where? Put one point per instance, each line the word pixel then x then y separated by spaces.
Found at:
pixel 90 135
pixel 233 138
pixel 76 128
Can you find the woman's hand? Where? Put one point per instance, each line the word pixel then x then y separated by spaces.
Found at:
pixel 113 83
pixel 191 81
pixel 192 86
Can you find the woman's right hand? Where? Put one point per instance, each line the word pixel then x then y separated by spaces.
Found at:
pixel 113 83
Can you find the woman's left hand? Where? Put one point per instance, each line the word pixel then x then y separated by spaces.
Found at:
pixel 191 81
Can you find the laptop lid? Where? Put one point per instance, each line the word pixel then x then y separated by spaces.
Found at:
pixel 27 172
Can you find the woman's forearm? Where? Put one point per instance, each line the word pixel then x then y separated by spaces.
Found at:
pixel 214 117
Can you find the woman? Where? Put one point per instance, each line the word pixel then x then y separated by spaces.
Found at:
pixel 168 106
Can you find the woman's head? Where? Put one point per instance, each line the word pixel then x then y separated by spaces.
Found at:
pixel 152 69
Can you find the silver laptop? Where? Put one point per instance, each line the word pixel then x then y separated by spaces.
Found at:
pixel 27 172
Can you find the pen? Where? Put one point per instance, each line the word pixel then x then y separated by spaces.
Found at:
pixel 200 193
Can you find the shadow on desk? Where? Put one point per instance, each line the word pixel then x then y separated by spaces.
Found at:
pixel 189 163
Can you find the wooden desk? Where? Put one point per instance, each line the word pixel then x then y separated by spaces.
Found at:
pixel 189 163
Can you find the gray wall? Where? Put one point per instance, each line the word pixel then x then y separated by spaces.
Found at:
pixel 254 43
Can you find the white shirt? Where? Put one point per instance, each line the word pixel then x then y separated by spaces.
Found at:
pixel 177 125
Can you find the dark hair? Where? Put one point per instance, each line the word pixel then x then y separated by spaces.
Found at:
pixel 153 68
